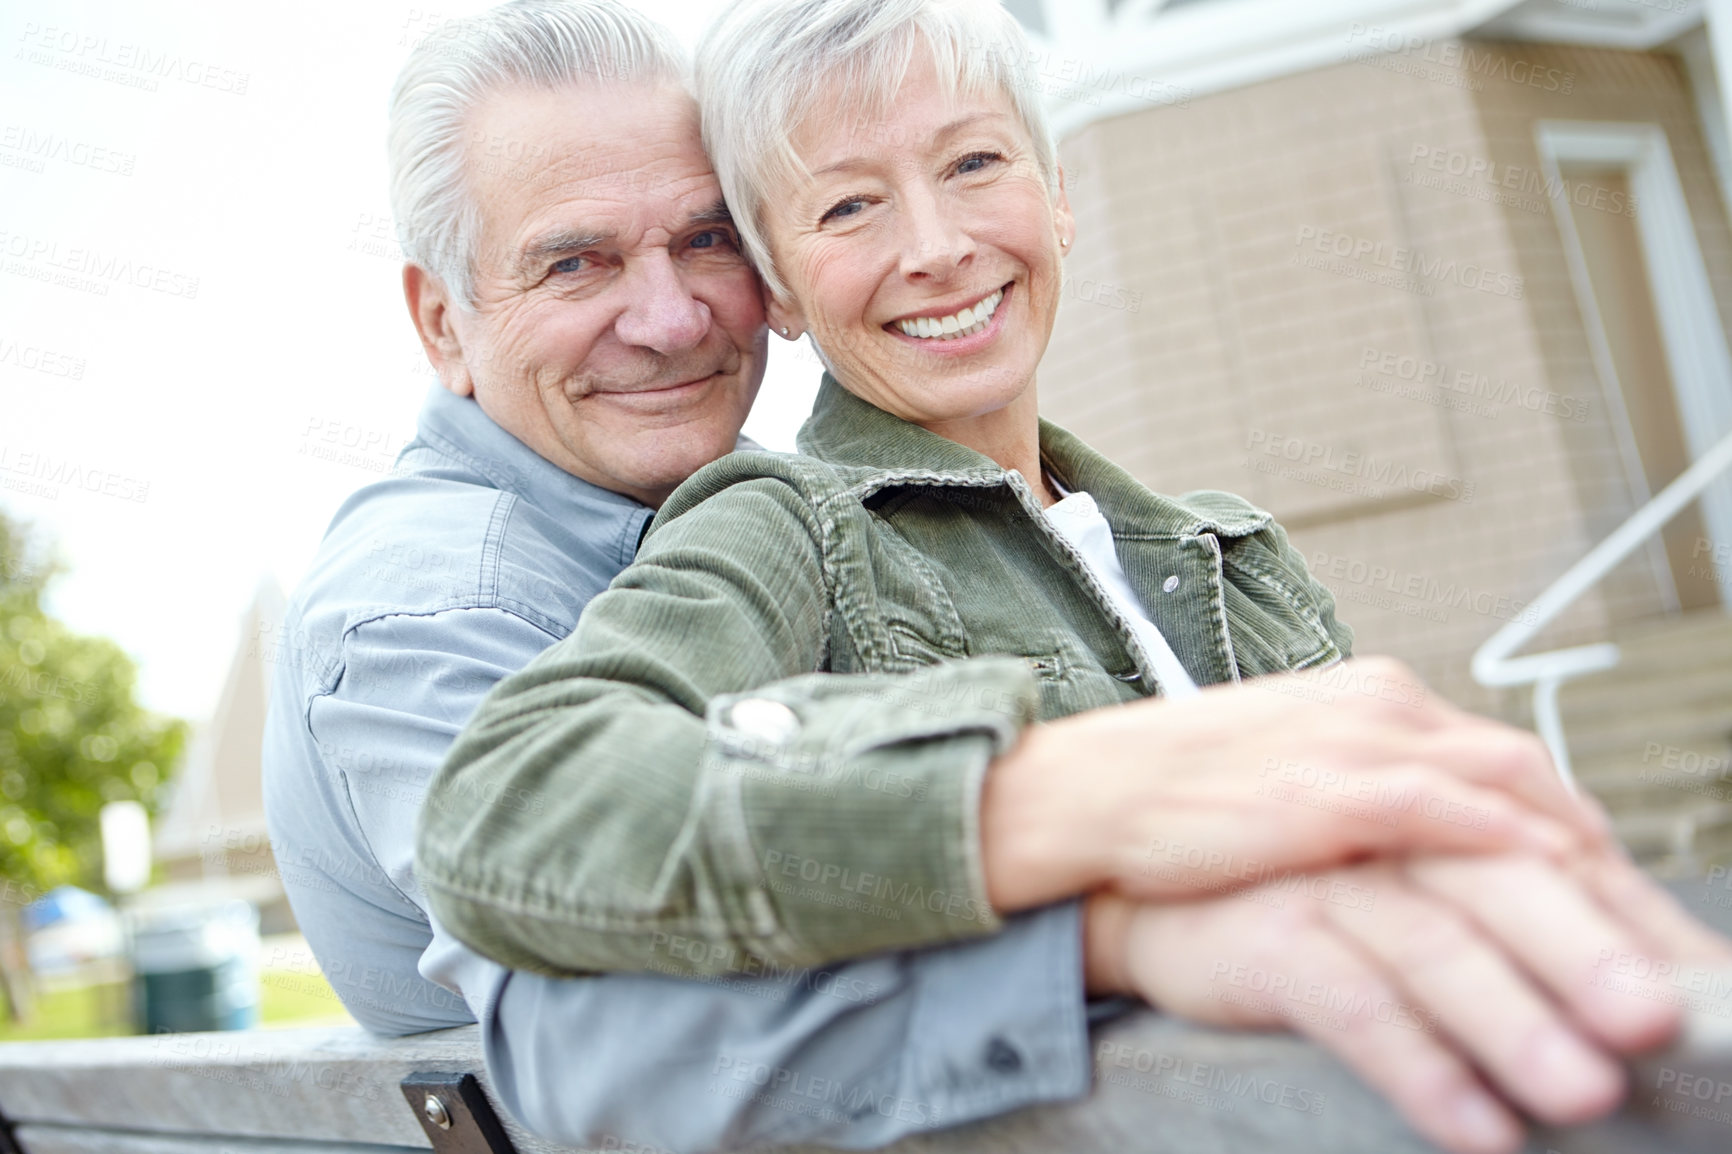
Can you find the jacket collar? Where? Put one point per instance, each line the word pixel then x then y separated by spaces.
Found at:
pixel 847 431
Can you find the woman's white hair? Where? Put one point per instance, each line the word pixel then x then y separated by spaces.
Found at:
pixel 764 63
pixel 543 44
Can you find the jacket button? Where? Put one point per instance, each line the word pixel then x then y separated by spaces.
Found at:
pixel 1002 1056
pixel 766 720
pixel 1172 583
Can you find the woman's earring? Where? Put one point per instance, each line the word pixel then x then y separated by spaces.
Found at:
pixel 784 330
pixel 1064 242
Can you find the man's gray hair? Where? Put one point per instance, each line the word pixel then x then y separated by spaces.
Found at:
pixel 544 44
pixel 766 66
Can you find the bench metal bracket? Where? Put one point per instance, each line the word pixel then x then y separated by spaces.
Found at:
pixel 455 1113
pixel 8 1141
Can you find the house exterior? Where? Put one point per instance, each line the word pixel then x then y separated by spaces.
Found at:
pixel 1446 288
pixel 210 843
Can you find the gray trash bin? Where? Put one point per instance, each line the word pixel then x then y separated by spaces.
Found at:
pixel 195 967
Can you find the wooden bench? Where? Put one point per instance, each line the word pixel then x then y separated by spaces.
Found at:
pixel 1161 1086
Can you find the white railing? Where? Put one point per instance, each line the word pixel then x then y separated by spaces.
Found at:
pixel 1496 668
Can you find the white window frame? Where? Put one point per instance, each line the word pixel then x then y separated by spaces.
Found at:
pixel 1690 327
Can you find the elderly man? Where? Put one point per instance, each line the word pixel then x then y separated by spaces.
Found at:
pixel 598 337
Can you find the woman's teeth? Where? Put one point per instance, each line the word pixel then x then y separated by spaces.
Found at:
pixel 963 324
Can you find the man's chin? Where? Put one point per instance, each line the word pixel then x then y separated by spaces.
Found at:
pixel 669 457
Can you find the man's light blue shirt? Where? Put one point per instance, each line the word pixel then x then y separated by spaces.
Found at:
pixel 431 586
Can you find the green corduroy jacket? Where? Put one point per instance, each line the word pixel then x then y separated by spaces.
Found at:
pixel 764 743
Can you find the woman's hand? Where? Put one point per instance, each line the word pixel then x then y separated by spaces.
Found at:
pixel 1175 799
pixel 1460 983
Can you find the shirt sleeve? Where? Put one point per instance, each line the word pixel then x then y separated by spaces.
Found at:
pixel 890 1046
pixel 855 1055
pixel 678 768
pixel 345 777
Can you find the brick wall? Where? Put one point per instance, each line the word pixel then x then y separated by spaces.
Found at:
pixel 1329 293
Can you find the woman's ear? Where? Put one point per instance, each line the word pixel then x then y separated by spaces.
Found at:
pixel 783 316
pixel 1062 218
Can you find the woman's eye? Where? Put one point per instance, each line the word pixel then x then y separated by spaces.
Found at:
pixel 842 209
pixel 569 264
pixel 976 161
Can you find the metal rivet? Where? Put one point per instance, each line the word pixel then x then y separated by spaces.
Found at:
pixel 436 1112
pixel 1172 584
pixel 764 719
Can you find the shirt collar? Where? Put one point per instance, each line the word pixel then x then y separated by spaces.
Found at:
pixel 455 438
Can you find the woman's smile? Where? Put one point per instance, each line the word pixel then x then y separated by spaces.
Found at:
pixel 954 331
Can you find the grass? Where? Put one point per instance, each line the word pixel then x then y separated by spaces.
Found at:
pixel 286 998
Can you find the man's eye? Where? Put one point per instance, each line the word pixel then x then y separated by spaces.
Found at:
pixel 843 208
pixel 569 264
pixel 715 238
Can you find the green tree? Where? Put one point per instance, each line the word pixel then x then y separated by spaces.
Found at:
pixel 72 736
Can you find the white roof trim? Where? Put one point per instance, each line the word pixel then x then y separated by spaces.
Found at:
pixel 1096 64
pixel 1636 25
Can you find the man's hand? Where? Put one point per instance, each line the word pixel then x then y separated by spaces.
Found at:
pixel 1449 983
pixel 1181 799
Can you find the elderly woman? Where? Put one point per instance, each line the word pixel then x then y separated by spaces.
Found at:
pixel 770 742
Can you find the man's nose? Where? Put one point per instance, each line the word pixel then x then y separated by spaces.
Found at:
pixel 934 242
pixel 661 313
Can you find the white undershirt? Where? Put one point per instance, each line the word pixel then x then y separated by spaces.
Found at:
pixel 1078 520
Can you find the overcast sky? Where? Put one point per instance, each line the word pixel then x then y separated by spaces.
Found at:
pixel 198 281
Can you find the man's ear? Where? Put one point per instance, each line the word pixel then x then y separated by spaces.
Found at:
pixel 784 316
pixel 431 308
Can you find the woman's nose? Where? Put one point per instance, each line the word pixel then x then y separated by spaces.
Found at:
pixel 935 243
pixel 661 313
